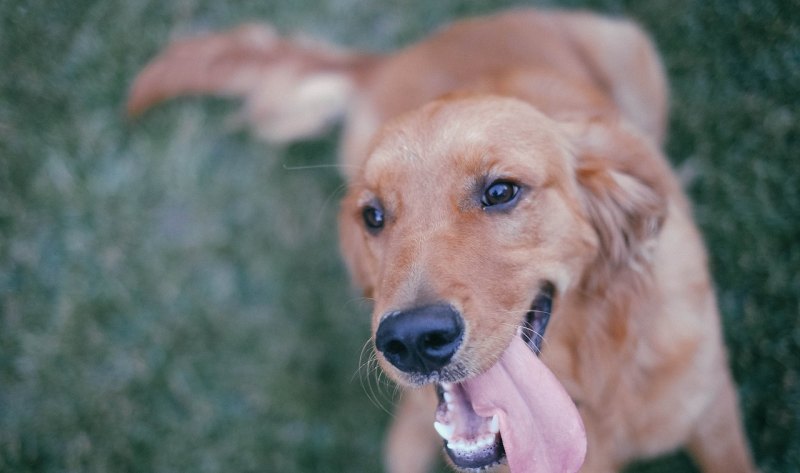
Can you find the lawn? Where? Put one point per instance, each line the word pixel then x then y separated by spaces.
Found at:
pixel 171 295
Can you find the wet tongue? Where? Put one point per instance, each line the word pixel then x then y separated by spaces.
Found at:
pixel 540 426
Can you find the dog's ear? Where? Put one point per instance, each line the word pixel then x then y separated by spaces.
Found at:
pixel 292 88
pixel 624 184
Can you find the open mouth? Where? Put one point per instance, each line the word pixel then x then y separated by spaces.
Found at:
pixel 471 441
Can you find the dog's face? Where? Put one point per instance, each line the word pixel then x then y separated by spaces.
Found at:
pixel 470 210
pixel 466 216
pixel 470 219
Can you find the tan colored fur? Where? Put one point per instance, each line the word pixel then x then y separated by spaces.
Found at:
pixel 574 107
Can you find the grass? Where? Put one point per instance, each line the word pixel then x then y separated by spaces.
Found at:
pixel 157 278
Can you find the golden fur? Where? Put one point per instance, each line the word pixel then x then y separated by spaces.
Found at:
pixel 571 106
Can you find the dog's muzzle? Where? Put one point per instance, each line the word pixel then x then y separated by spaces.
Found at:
pixel 421 343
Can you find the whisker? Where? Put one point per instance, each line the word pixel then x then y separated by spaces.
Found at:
pixel 319 166
pixel 531 334
pixel 362 299
pixel 320 214
pixel 373 380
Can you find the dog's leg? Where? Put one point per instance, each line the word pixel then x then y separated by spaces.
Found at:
pixel 718 442
pixel 412 443
pixel 599 443
pixel 596 464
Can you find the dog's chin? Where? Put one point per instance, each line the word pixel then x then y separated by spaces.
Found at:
pixel 472 442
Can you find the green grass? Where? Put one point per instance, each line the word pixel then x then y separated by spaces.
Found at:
pixel 171 294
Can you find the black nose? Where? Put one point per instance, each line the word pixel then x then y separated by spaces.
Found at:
pixel 420 340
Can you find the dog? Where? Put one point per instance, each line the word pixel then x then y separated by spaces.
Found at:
pixel 539 287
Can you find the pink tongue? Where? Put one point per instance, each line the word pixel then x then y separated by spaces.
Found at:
pixel 541 429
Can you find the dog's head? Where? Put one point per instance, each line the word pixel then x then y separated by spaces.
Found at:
pixel 470 219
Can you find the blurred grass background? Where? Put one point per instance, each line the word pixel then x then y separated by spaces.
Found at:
pixel 171 293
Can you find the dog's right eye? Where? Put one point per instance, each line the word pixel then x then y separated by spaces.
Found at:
pixel 373 218
pixel 500 194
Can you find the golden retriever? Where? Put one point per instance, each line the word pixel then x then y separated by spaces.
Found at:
pixel 538 283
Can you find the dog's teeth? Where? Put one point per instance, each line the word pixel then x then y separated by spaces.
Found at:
pixel 457 445
pixel 469 446
pixel 447 386
pixel 448 398
pixel 445 431
pixel 494 424
pixel 483 441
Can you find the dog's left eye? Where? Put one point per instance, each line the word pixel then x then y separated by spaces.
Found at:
pixel 373 218
pixel 499 193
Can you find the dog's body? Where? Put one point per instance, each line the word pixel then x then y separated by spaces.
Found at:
pixel 535 163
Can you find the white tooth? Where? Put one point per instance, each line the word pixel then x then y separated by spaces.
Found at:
pixel 447 386
pixel 494 424
pixel 451 406
pixel 444 430
pixel 448 398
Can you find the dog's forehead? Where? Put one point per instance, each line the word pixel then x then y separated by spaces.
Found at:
pixel 463 139
pixel 418 155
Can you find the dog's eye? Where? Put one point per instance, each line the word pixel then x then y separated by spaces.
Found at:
pixel 499 193
pixel 373 218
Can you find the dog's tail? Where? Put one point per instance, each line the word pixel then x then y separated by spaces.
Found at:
pixel 292 88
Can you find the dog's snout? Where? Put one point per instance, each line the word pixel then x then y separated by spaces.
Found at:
pixel 420 340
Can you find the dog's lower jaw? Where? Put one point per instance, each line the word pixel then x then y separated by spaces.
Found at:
pixel 472 442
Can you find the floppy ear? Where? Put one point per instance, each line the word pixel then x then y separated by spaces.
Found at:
pixel 624 184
